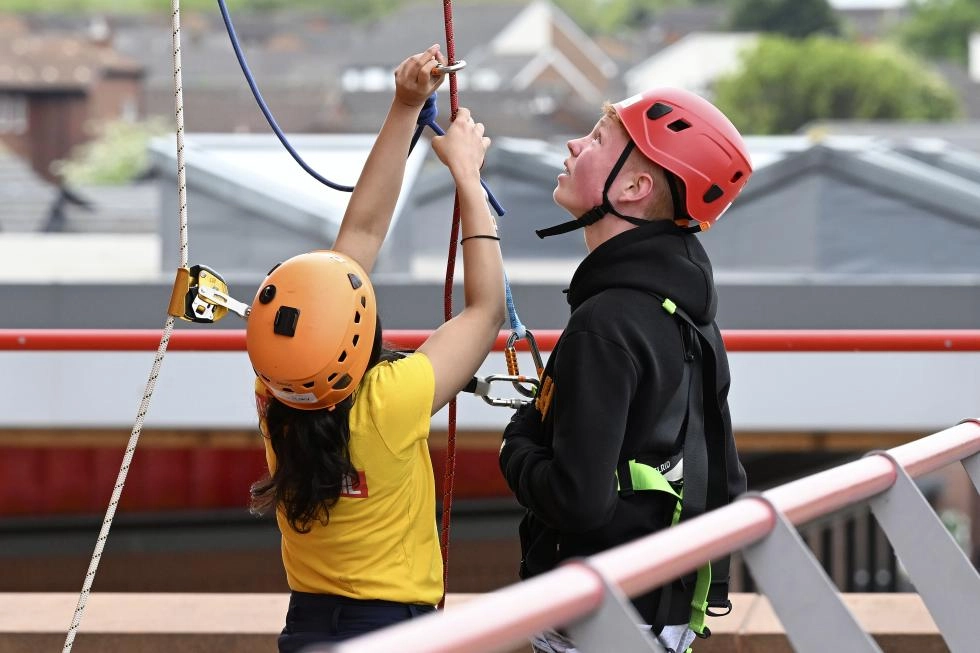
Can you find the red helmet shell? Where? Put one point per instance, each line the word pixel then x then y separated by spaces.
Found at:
pixel 688 136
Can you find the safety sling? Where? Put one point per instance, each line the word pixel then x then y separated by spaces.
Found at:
pixel 704 484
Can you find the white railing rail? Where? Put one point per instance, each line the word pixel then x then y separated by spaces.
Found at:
pixel 587 596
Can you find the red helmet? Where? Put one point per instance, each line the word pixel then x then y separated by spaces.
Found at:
pixel 311 329
pixel 688 136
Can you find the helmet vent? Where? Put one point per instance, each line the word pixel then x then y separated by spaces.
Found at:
pixel 679 125
pixel 356 338
pixel 355 281
pixel 712 194
pixel 363 301
pixel 343 382
pixel 331 377
pixel 343 357
pixel 357 317
pixel 658 110
pixel 286 319
pixel 309 384
pixel 738 175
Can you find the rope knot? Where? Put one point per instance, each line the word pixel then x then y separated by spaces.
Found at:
pixel 429 111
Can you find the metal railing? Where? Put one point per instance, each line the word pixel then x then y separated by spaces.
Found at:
pixel 587 597
pixel 742 340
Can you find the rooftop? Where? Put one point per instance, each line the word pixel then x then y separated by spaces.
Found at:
pixel 255 171
pixel 54 61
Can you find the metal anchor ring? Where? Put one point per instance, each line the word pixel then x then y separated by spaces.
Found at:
pixel 442 69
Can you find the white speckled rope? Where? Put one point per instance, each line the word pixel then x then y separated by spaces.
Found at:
pixel 161 350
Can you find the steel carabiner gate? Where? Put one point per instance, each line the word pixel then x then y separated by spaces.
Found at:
pixel 510 354
pixel 481 386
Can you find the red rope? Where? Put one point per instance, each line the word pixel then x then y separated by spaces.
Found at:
pixel 447 12
pixel 450 469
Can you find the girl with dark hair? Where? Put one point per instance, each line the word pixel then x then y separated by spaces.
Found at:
pixel 345 422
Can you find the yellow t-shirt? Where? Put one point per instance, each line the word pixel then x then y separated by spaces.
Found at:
pixel 381 541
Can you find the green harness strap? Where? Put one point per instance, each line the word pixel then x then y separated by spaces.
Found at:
pixel 646 477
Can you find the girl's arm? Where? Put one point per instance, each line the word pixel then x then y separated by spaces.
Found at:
pixel 459 346
pixel 372 204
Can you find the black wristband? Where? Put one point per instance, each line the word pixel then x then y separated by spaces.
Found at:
pixel 487 236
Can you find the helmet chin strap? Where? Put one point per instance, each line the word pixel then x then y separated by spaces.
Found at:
pixel 598 212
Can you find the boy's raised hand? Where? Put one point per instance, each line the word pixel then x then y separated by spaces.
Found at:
pixel 464 146
pixel 414 80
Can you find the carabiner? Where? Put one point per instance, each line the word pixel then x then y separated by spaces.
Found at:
pixel 510 354
pixel 480 386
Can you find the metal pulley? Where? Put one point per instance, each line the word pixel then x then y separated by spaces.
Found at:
pixel 201 295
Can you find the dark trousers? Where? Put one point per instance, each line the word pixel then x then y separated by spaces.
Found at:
pixel 320 618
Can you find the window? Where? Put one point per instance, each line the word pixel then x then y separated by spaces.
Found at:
pixel 13 113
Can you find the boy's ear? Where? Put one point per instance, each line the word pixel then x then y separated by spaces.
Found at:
pixel 638 188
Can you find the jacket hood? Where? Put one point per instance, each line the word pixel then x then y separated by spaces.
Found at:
pixel 658 257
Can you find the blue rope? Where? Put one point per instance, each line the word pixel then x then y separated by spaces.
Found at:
pixel 428 117
pixel 265 109
pixel 515 322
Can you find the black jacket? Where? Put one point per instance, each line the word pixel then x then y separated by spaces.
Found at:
pixel 616 373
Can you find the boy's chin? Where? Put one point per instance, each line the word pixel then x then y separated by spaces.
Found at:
pixel 556 196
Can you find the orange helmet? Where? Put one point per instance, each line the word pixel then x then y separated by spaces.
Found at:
pixel 311 329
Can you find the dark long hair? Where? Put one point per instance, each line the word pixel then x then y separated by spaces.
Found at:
pixel 313 465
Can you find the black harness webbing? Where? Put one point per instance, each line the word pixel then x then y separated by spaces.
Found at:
pixel 705 456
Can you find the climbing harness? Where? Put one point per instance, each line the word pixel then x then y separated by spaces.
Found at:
pixel 687 477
